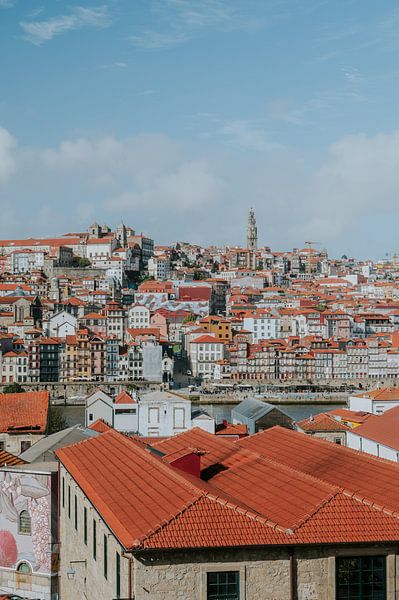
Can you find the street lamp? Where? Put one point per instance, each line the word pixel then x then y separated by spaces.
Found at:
pixel 71 571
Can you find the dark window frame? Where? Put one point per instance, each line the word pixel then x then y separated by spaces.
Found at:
pixel 118 574
pixel 223 585
pixel 353 581
pixel 105 549
pixel 85 525
pixel 94 539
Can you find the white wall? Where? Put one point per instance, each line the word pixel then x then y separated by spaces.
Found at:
pixel 164 417
pixel 99 406
pixel 358 442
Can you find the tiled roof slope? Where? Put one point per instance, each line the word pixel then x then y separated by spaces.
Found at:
pixel 24 412
pixel 9 459
pixel 100 426
pixel 363 475
pixel 255 500
pixel 322 422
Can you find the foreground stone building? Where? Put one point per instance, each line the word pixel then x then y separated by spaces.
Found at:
pixel 274 516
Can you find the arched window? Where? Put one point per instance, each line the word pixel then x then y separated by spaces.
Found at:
pixel 25 525
pixel 24 568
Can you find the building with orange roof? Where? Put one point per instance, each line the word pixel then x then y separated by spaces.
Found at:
pixel 144 517
pixel 23 420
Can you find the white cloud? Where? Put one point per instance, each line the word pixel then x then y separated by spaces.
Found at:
pixel 39 32
pixel 173 190
pixel 181 20
pixel 6 3
pixel 248 135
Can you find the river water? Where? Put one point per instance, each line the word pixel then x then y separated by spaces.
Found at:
pixel 75 414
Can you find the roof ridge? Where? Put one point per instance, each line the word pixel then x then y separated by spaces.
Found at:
pixel 317 508
pixel 367 502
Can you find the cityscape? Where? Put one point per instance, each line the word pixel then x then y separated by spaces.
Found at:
pixel 199 300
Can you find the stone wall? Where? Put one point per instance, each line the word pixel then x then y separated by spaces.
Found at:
pixel 12 442
pixel 89 581
pixel 264 573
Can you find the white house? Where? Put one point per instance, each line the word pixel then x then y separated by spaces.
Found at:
pixel 379 435
pixel 125 412
pixel 204 352
pixel 163 414
pixel 263 326
pixel 61 324
pixel 138 316
pixel 156 414
pixel 159 267
pixel 99 406
pixel 375 401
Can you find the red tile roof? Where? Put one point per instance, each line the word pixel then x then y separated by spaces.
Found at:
pixel 322 422
pixel 24 412
pixel 8 459
pixel 276 487
pixel 100 426
pixel 124 398
pixel 386 394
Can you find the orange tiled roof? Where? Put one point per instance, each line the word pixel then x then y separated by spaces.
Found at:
pixel 276 487
pixel 8 459
pixel 322 422
pixel 24 412
pixel 100 426
pixel 124 398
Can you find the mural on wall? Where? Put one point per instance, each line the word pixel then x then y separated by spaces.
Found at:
pixel 25 520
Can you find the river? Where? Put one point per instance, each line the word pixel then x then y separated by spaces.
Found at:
pixel 75 414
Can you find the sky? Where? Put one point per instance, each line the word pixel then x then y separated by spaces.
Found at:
pixel 177 116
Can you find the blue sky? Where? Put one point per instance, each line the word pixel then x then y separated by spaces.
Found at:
pixel 178 115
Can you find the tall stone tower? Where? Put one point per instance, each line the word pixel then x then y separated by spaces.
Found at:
pixel 252 232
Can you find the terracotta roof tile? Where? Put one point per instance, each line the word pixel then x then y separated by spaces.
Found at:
pixel 24 412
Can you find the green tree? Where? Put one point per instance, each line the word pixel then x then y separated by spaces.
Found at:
pixel 190 318
pixel 56 421
pixel 13 388
pixel 198 275
pixel 81 262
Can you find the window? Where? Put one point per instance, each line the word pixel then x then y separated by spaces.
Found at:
pixel 94 539
pixel 223 585
pixel 76 512
pixel 24 525
pixel 25 445
pixel 90 416
pixel 338 441
pixel 2 446
pixel 85 525
pixel 361 577
pixel 118 575
pixel 105 557
pixel 24 568
pixel 69 501
pixel 63 492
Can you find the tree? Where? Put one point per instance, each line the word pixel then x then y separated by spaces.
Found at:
pixel 190 318
pixel 81 262
pixel 13 388
pixel 198 275
pixel 56 421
